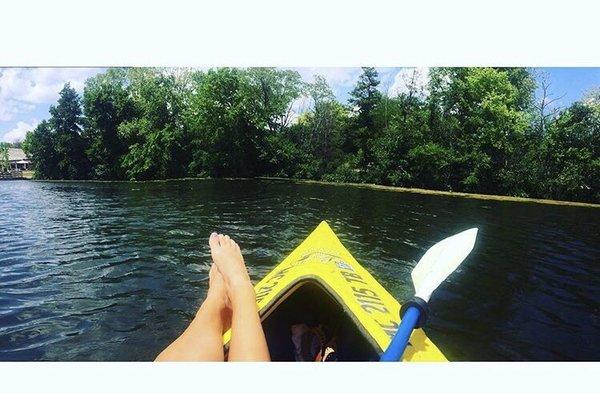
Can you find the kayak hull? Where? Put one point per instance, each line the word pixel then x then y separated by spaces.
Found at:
pixel 321 281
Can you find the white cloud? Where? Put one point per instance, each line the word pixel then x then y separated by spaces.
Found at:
pixel 41 85
pixel 23 88
pixel 411 79
pixel 17 134
pixel 10 108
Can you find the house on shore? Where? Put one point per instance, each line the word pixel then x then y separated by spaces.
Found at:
pixel 18 160
pixel 17 167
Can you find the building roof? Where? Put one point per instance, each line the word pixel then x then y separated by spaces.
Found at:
pixel 17 154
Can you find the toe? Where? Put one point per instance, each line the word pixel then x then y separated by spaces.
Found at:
pixel 213 241
pixel 227 240
pixel 221 240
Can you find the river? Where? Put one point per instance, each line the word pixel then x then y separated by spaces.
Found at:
pixel 115 271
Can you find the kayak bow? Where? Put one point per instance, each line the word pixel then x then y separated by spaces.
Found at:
pixel 321 283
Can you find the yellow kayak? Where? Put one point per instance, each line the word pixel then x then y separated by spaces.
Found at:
pixel 320 283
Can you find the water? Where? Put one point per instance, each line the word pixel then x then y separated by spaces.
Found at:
pixel 115 271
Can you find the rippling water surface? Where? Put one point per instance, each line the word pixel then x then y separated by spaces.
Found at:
pixel 115 271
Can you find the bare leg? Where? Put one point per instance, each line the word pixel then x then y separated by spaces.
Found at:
pixel 248 341
pixel 203 339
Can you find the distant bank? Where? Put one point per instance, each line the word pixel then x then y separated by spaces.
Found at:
pixel 16 175
pixel 362 185
pixel 446 193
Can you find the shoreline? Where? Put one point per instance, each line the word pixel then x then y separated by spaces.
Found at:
pixel 466 195
pixel 422 191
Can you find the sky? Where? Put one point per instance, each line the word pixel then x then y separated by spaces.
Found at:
pixel 27 93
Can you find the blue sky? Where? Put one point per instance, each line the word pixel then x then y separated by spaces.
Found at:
pixel 26 94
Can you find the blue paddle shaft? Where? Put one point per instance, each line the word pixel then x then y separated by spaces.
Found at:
pixel 400 340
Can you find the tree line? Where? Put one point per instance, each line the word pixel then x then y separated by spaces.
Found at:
pixel 468 129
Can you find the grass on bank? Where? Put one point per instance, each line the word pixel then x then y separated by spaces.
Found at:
pixel 445 193
pixel 503 198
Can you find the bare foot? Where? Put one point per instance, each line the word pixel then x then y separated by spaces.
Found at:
pixel 217 291
pixel 227 256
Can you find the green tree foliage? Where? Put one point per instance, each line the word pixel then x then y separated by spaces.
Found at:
pixel 273 92
pixel 57 146
pixel 236 118
pixel 570 154
pixel 468 129
pixel 364 99
pixel 479 116
pixel 107 103
pixel 403 121
pixel 4 159
pixel 226 131
pixel 40 145
pixel 319 132
pixel 156 137
pixel 66 121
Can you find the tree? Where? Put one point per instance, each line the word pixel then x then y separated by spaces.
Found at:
pixel 107 103
pixel 524 81
pixel 403 127
pixel 40 146
pixel 478 114
pixel 364 98
pixel 320 131
pixel 223 121
pixel 68 146
pixel 156 136
pixel 546 110
pixel 274 92
pixel 4 158
pixel 235 115
pixel 571 154
pixel 325 121
pixel 430 165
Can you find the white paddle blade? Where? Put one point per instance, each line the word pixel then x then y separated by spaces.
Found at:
pixel 440 261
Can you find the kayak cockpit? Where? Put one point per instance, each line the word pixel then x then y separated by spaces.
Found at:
pixel 311 304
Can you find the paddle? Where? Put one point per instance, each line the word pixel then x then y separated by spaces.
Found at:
pixel 433 268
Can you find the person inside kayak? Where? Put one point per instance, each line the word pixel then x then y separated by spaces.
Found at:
pixel 230 303
pixel 311 345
